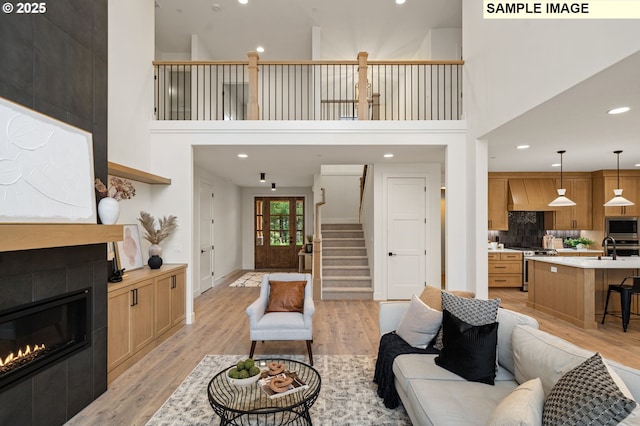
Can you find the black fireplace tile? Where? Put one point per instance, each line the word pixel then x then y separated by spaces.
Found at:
pixel 51 77
pixel 16 290
pixel 49 408
pixel 99 295
pixel 80 381
pixel 15 404
pixel 49 283
pixel 99 345
pixel 100 13
pixel 80 81
pixel 16 51
pixel 79 276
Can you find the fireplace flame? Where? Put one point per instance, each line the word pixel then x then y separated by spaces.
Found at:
pixel 14 357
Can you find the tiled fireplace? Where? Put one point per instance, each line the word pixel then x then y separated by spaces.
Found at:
pixel 77 372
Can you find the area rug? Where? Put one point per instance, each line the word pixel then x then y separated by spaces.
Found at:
pixel 250 279
pixel 347 396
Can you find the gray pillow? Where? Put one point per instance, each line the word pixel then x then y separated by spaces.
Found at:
pixel 471 311
pixel 586 395
pixel 419 324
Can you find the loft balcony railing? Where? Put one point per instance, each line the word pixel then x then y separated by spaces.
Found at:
pixel 308 90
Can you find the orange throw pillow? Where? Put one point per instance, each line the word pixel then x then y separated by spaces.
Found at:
pixel 286 296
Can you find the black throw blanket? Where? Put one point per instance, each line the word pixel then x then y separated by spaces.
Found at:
pixel 392 345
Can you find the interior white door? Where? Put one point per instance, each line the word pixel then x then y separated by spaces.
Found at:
pixel 406 236
pixel 207 253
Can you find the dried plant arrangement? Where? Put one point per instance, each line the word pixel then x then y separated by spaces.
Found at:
pixel 153 235
pixel 119 189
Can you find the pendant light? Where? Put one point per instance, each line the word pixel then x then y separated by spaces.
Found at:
pixel 561 201
pixel 618 200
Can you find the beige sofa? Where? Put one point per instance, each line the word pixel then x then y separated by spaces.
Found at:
pixel 435 396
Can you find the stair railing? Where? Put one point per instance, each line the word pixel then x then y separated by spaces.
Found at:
pixel 316 268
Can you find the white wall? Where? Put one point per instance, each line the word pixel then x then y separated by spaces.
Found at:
pixel 227 212
pixel 342 190
pixel 444 44
pixel 130 106
pixel 514 65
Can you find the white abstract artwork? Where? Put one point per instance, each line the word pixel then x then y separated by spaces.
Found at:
pixel 46 168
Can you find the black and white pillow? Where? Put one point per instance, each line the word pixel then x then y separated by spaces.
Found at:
pixel 586 395
pixel 471 311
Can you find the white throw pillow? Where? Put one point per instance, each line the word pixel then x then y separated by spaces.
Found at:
pixel 522 407
pixel 419 324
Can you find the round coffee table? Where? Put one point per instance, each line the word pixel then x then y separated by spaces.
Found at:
pixel 242 405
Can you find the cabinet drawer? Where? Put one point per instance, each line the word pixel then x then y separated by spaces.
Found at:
pixel 505 267
pixel 506 280
pixel 511 256
pixel 494 256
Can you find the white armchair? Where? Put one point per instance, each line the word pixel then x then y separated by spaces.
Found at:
pixel 281 325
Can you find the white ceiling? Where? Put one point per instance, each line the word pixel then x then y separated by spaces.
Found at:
pixel 294 166
pixel 381 27
pixel 574 120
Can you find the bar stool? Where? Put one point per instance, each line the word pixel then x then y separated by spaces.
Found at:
pixel 626 291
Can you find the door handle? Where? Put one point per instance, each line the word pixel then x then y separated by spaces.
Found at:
pixel 392 254
pixel 201 251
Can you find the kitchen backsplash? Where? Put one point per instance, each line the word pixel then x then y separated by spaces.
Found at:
pixel 526 229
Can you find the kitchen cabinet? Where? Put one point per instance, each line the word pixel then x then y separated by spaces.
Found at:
pixel 505 269
pixel 576 217
pixel 498 198
pixel 604 182
pixel 630 192
pixel 170 301
pixel 143 310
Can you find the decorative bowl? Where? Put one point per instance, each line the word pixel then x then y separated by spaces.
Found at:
pixel 242 382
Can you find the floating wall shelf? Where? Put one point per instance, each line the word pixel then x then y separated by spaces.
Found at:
pixel 29 236
pixel 116 169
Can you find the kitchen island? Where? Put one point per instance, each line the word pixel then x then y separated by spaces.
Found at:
pixel 574 289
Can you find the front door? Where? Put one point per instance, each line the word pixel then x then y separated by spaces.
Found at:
pixel 279 232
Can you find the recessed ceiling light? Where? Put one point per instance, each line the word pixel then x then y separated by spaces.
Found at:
pixel 619 110
pixel 259 49
pixel 388 155
pixel 523 147
pixel 638 165
pixel 243 1
pixel 556 165
pixel 400 1
pixel 242 156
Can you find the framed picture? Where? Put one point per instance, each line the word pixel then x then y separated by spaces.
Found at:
pixel 129 251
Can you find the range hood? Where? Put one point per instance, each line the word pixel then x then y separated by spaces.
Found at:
pixel 531 194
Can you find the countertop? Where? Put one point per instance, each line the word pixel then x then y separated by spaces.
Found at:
pixel 571 250
pixel 587 262
pixel 506 250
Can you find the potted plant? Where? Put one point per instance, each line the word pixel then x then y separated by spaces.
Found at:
pixel 108 207
pixel 155 236
pixel 578 243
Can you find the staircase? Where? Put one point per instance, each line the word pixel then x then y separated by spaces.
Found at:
pixel 345 266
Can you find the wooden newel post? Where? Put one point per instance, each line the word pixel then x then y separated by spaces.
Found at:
pixel 253 109
pixel 363 86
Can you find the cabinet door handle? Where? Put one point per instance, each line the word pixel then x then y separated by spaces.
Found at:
pixel 133 298
pixel 500 281
pixel 500 267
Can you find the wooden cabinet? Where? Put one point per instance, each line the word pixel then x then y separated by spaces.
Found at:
pixel 576 217
pixel 498 215
pixel 505 269
pixel 630 188
pixel 604 182
pixel 170 301
pixel 144 309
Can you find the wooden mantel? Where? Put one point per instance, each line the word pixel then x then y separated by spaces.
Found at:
pixel 29 236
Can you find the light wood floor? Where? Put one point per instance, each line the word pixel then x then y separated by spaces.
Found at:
pixel 340 328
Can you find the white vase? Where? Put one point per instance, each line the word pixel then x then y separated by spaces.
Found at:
pixel 108 210
pixel 155 250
